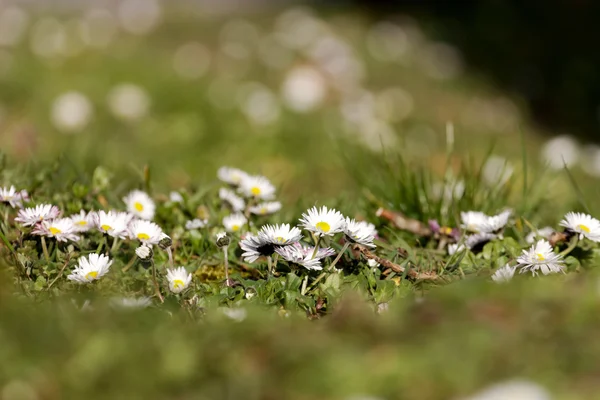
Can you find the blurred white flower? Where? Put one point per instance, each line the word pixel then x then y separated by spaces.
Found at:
pixel 175 197
pixel 113 223
pixel 144 251
pixel 504 274
pixel 236 202
pixel 387 41
pixel 512 390
pixel 360 232
pixel 71 112
pixel 394 104
pixel 61 229
pixel 268 207
pixel 372 263
pixel 583 224
pixel 233 176
pixel 32 215
pixel 304 89
pixel 48 38
pixel 131 302
pixel 298 27
pixel 191 60
pixel 559 151
pixel 236 314
pixel 83 221
pixel 13 23
pixel 234 222
pixel 260 105
pixel 257 187
pixel 13 197
pixel 146 232
pixel 543 233
pixel 139 17
pixel 195 224
pixel 140 204
pixel 128 102
pixel 98 27
pixel 497 170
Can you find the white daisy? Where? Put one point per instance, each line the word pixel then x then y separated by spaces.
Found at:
pixel 131 302
pixel 540 257
pixel 146 232
pixel 497 222
pixel 83 221
pixel 61 229
pixel 456 248
pixel 12 197
pixel 90 268
pixel 513 390
pixel 140 204
pixel 179 279
pixel 323 222
pixel 234 222
pixel 279 235
pixel 144 252
pixel 113 223
pixel 32 215
pixel 360 232
pixel 479 239
pixel 258 187
pixel 255 247
pixel 473 221
pixel 303 255
pixel 196 224
pixel 504 274
pixel 583 224
pixel 236 202
pixel 233 176
pixel 543 233
pixel 175 197
pixel 268 207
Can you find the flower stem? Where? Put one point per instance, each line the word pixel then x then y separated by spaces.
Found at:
pixel 226 263
pixel 156 287
pixel 45 249
pixel 170 253
pixel 114 245
pixel 317 242
pixel 339 255
pixel 571 247
pixel 270 265
pixel 129 264
pixel 304 282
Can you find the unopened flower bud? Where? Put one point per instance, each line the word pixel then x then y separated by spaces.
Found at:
pixel 144 252
pixel 165 242
pixel 222 239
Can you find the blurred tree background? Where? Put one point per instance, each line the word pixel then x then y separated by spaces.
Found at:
pixel 545 51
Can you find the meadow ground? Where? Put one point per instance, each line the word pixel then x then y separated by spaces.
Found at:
pixel 421 301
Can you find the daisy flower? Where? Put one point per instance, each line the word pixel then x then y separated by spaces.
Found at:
pixel 583 224
pixel 146 232
pixel 175 197
pixel 268 207
pixel 504 274
pixel 131 302
pixel 140 204
pixel 144 252
pixel 234 222
pixel 90 268
pixel 233 176
pixel 540 257
pixel 360 232
pixel 196 224
pixel 236 202
pixel 179 279
pixel 303 255
pixel 255 247
pixel 455 248
pixel 479 239
pixel 12 197
pixel 497 222
pixel 32 215
pixel 257 187
pixel 62 229
pixel 112 223
pixel 323 222
pixel 543 233
pixel 280 235
pixel 83 221
pixel 473 221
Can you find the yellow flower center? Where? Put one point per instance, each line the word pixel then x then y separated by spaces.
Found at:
pixel 177 283
pixel 446 230
pixel 263 210
pixel 106 228
pixel 323 226
pixel 138 206
pixel 280 239
pixel 82 222
pixel 584 228
pixel 540 257
pixel 143 236
pixel 54 230
pixel 91 275
pixel 235 228
pixel 255 191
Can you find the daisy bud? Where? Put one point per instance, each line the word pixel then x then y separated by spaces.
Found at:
pixel 222 239
pixel 165 242
pixel 144 252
